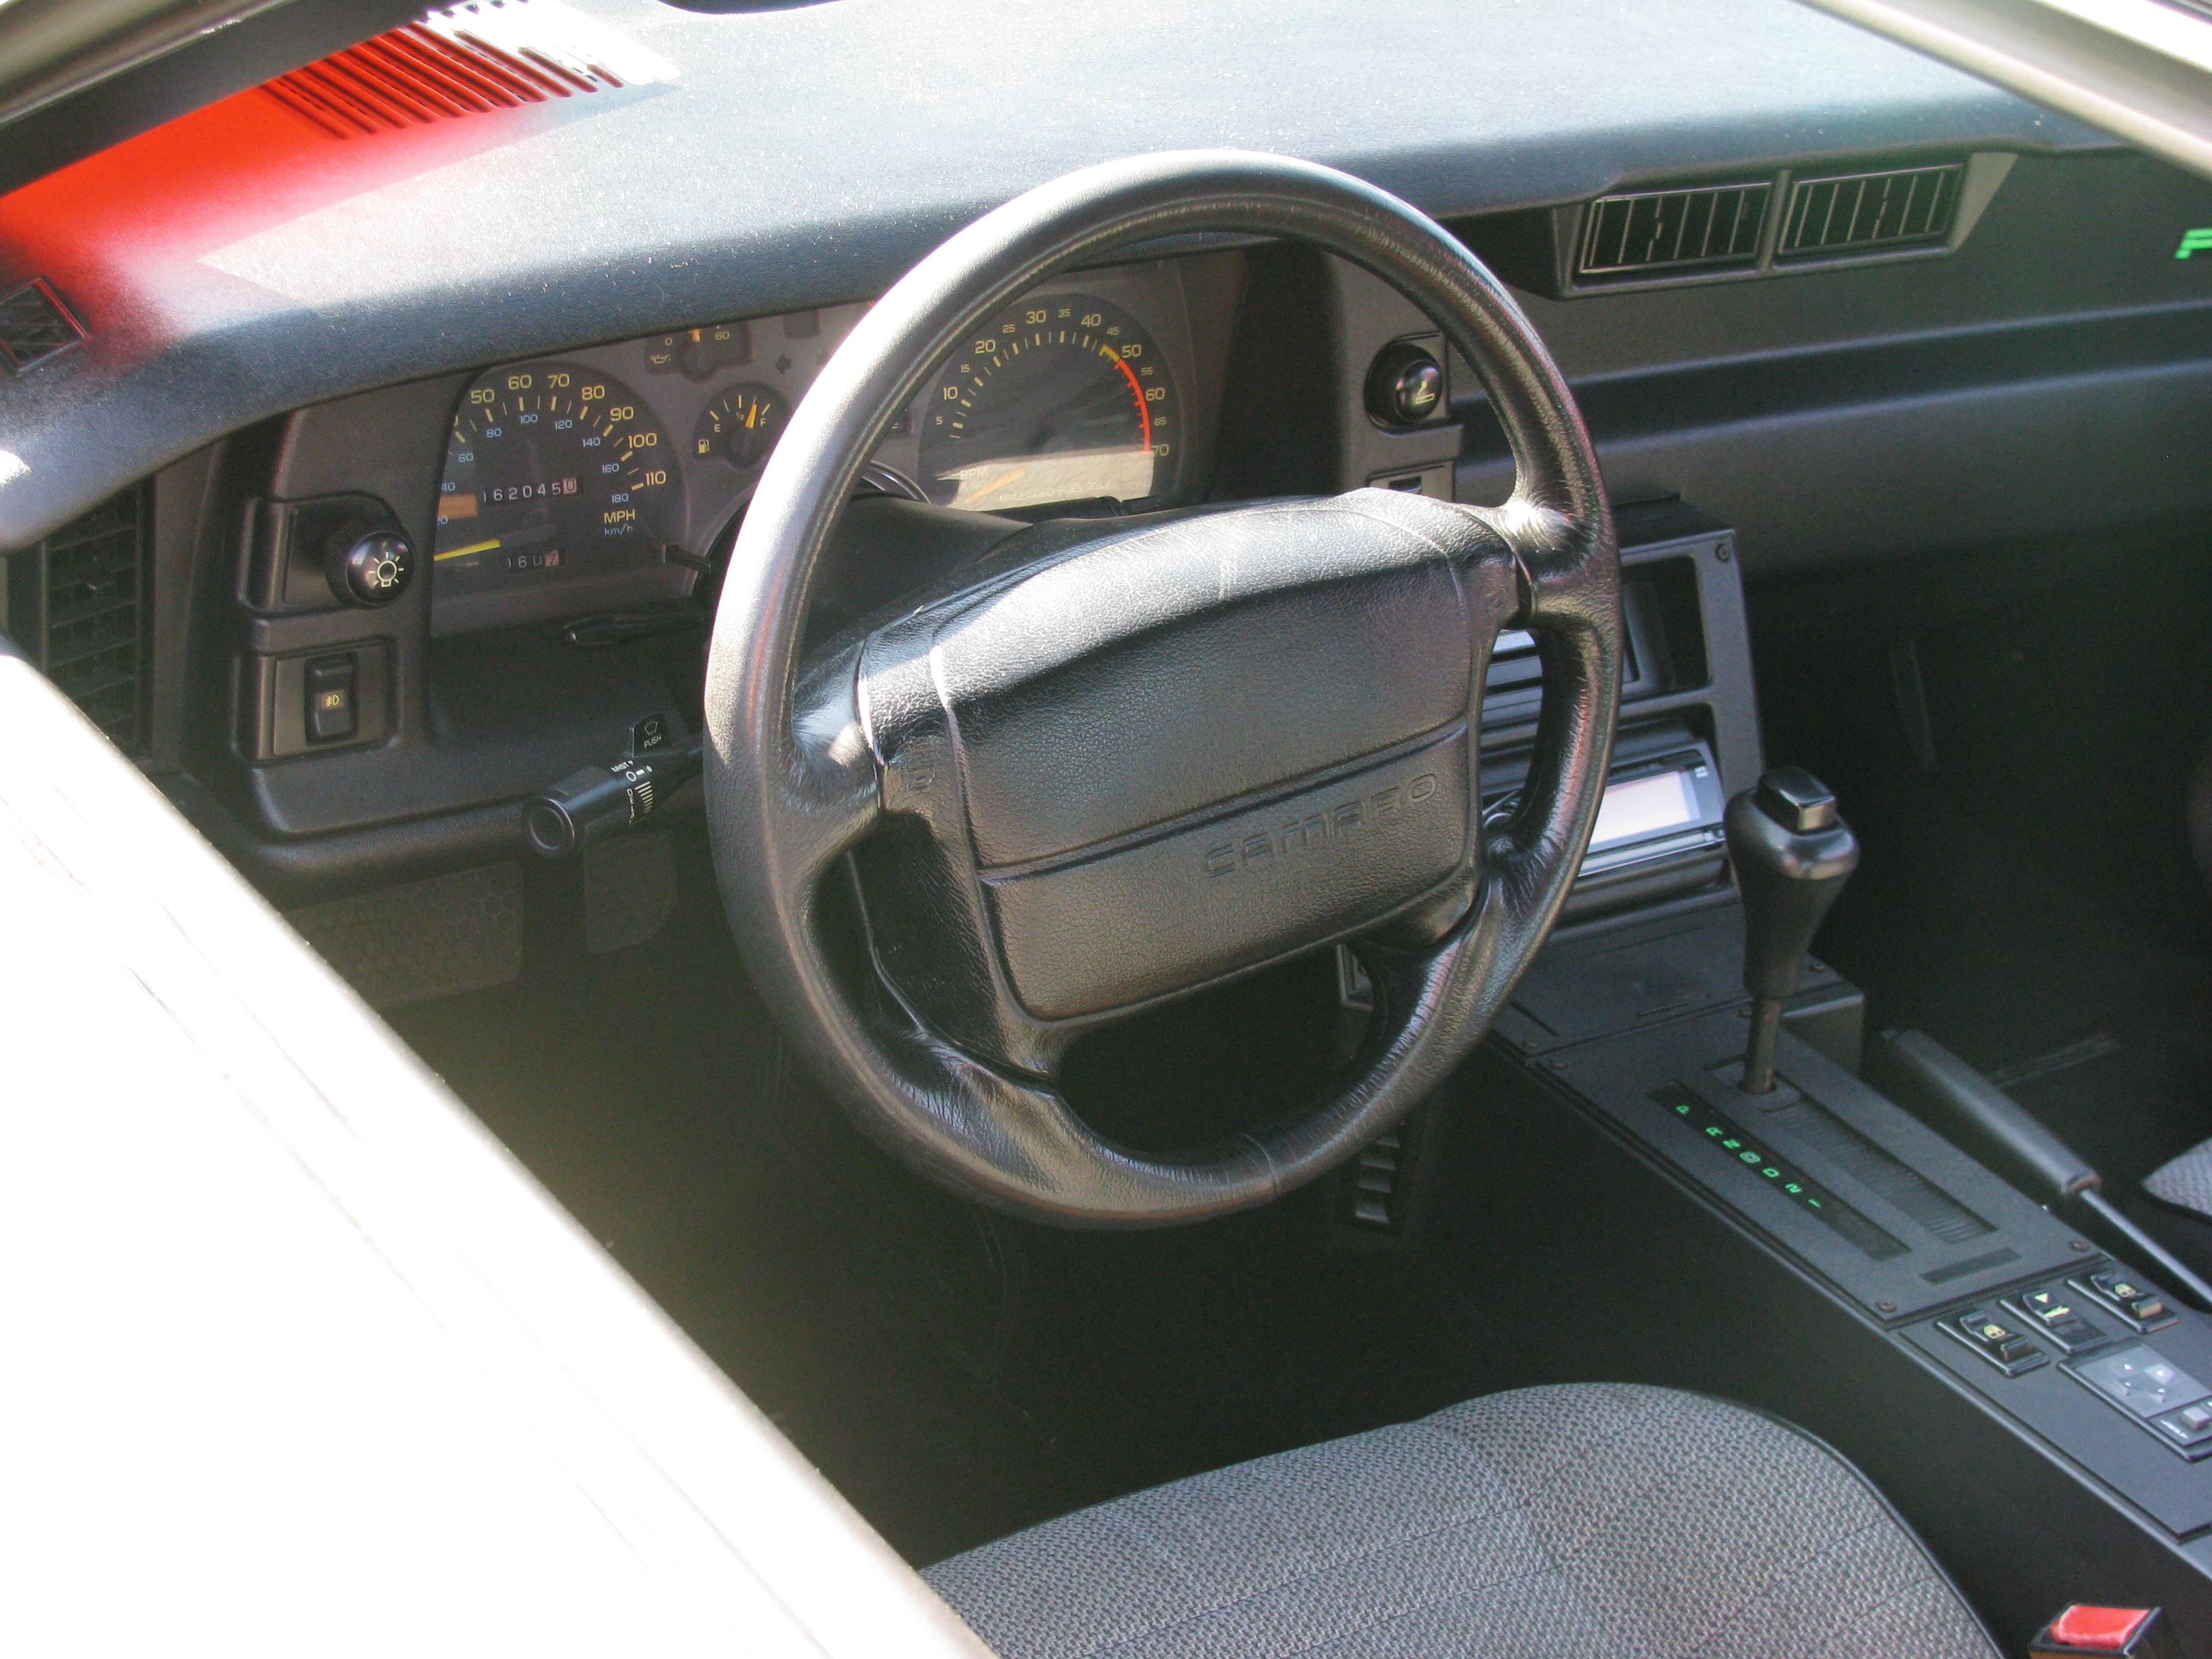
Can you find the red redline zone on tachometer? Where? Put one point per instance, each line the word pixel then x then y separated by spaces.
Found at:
pixel 1143 409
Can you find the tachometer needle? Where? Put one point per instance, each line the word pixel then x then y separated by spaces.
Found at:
pixel 998 482
pixel 463 552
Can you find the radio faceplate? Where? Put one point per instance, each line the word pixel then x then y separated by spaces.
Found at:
pixel 1658 833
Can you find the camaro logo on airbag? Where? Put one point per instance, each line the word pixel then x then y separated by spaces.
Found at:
pixel 1314 829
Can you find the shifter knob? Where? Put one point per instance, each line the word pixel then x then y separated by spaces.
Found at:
pixel 1792 855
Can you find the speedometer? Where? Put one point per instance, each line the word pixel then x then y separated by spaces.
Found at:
pixel 552 470
pixel 1059 397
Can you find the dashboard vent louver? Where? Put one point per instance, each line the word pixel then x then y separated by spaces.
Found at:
pixel 1714 226
pixel 78 602
pixel 1863 212
pixel 464 60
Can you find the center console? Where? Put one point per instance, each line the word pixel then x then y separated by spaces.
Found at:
pixel 1689 731
pixel 1698 1186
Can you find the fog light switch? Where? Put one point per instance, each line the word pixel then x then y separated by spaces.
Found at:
pixel 331 684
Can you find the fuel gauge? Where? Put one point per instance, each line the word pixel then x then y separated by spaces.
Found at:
pixel 741 425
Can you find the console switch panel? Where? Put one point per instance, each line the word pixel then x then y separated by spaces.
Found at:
pixel 2121 1292
pixel 2188 1426
pixel 2048 1309
pixel 2155 1391
pixel 1995 1340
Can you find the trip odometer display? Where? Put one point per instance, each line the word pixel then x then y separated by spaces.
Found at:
pixel 552 471
pixel 1059 397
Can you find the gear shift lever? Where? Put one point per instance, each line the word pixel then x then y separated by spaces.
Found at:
pixel 1792 855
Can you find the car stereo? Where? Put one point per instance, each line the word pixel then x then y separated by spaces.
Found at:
pixel 1658 833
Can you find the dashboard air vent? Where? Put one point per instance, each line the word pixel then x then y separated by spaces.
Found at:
pixel 1658 230
pixel 35 325
pixel 78 602
pixel 466 60
pixel 1865 212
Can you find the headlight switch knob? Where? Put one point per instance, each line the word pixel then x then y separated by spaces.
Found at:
pixel 372 569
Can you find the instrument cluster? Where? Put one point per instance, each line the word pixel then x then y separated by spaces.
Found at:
pixel 609 476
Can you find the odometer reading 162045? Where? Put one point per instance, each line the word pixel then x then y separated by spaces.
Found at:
pixel 552 470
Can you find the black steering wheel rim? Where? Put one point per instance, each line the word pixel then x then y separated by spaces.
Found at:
pixel 794 783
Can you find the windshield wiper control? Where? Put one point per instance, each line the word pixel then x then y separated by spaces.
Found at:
pixel 1792 853
pixel 600 801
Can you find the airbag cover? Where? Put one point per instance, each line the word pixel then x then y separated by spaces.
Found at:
pixel 1187 748
pixel 1199 901
pixel 1196 663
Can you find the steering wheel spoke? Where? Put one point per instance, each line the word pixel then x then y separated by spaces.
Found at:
pixel 826 796
pixel 991 1127
pixel 1117 762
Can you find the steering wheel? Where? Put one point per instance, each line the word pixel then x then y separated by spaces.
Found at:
pixel 1116 761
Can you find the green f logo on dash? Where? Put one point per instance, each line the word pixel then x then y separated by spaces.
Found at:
pixel 2194 241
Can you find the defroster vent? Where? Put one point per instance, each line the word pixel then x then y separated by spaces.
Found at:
pixel 1712 227
pixel 77 602
pixel 468 59
pixel 1864 212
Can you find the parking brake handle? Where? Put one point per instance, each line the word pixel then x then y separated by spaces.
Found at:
pixel 1792 853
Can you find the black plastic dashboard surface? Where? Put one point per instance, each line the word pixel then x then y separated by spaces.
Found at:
pixel 804 157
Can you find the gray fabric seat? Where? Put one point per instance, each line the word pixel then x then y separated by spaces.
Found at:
pixel 1595 1522
pixel 2185 1181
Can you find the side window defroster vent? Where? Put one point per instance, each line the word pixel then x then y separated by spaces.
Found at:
pixel 1869 210
pixel 1713 227
pixel 35 325
pixel 77 602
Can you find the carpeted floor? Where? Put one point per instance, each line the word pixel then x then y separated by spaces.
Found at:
pixel 957 1375
pixel 2030 901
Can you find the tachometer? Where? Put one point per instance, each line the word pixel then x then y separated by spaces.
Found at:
pixel 552 470
pixel 1059 397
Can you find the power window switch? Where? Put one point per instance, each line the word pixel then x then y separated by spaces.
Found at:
pixel 332 689
pixel 1997 1341
pixel 2051 1310
pixel 2121 1291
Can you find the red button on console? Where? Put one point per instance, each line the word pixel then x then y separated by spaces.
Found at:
pixel 2100 1630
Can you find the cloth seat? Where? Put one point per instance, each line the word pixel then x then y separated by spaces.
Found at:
pixel 1592 1522
pixel 2185 1182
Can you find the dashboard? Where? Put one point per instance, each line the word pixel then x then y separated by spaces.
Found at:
pixel 568 508
pixel 549 351
pixel 615 475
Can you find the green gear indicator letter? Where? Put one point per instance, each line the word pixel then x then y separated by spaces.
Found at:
pixel 2194 241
